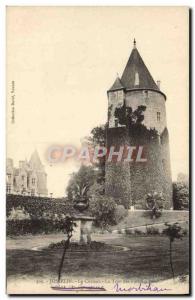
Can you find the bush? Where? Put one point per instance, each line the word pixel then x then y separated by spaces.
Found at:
pixel 103 209
pixel 138 232
pixel 34 226
pixel 120 213
pixel 93 247
pixel 39 207
pixel 152 230
pixel 180 196
pixel 185 232
pixel 155 204
pixel 129 231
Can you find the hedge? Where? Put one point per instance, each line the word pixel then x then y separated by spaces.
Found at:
pixel 34 226
pixel 39 207
pixel 46 215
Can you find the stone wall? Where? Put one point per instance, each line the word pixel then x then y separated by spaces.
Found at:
pixel 154 102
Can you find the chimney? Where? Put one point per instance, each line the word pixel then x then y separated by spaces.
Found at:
pixel 158 84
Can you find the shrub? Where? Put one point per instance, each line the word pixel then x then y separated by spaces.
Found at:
pixel 138 232
pixel 155 204
pixel 120 213
pixel 152 230
pixel 129 231
pixel 185 232
pixel 103 209
pixel 34 226
pixel 38 207
pixel 180 196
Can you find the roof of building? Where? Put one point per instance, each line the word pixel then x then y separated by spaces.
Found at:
pixel 136 74
pixel 117 85
pixel 35 161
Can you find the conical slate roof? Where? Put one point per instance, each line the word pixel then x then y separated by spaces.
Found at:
pixel 136 74
pixel 35 161
pixel 117 85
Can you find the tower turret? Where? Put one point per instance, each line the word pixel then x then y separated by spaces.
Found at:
pixel 137 88
pixel 116 97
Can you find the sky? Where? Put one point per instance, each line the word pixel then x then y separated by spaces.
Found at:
pixel 63 60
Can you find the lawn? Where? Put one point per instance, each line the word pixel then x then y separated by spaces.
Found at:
pixel 143 259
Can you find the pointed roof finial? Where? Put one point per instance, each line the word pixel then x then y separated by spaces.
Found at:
pixel 117 75
pixel 134 43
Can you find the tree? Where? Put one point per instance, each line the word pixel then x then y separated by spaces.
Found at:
pixel 98 138
pixel 181 177
pixel 80 183
pixel 154 203
pixel 173 231
pixel 103 209
pixel 180 195
pixel 127 116
pixel 96 190
pixel 68 228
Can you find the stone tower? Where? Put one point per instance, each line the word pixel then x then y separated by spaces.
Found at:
pixel 38 167
pixel 129 182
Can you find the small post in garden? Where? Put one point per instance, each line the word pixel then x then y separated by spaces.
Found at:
pixel 82 232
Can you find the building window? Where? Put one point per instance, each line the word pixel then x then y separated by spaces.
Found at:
pixel 33 181
pixel 8 176
pixel 116 122
pixel 23 177
pixel 32 192
pixel 158 116
pixel 136 79
pixel 8 188
pixel 146 94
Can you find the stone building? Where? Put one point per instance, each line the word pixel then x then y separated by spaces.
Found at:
pixel 28 179
pixel 129 182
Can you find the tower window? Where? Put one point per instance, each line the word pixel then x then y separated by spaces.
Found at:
pixel 33 181
pixel 146 94
pixel 136 79
pixel 116 122
pixel 158 116
pixel 23 177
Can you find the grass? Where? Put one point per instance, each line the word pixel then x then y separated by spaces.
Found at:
pixel 143 258
pixel 140 218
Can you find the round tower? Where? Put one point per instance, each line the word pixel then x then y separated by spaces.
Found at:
pixel 137 88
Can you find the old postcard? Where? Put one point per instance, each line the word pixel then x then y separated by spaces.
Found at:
pixel 97 171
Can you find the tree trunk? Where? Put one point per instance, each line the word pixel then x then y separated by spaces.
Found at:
pixel 66 245
pixel 171 262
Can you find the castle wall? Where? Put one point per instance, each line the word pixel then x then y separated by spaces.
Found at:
pixel 42 183
pixel 129 183
pixel 165 155
pixel 115 99
pixel 33 182
pixel 154 102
